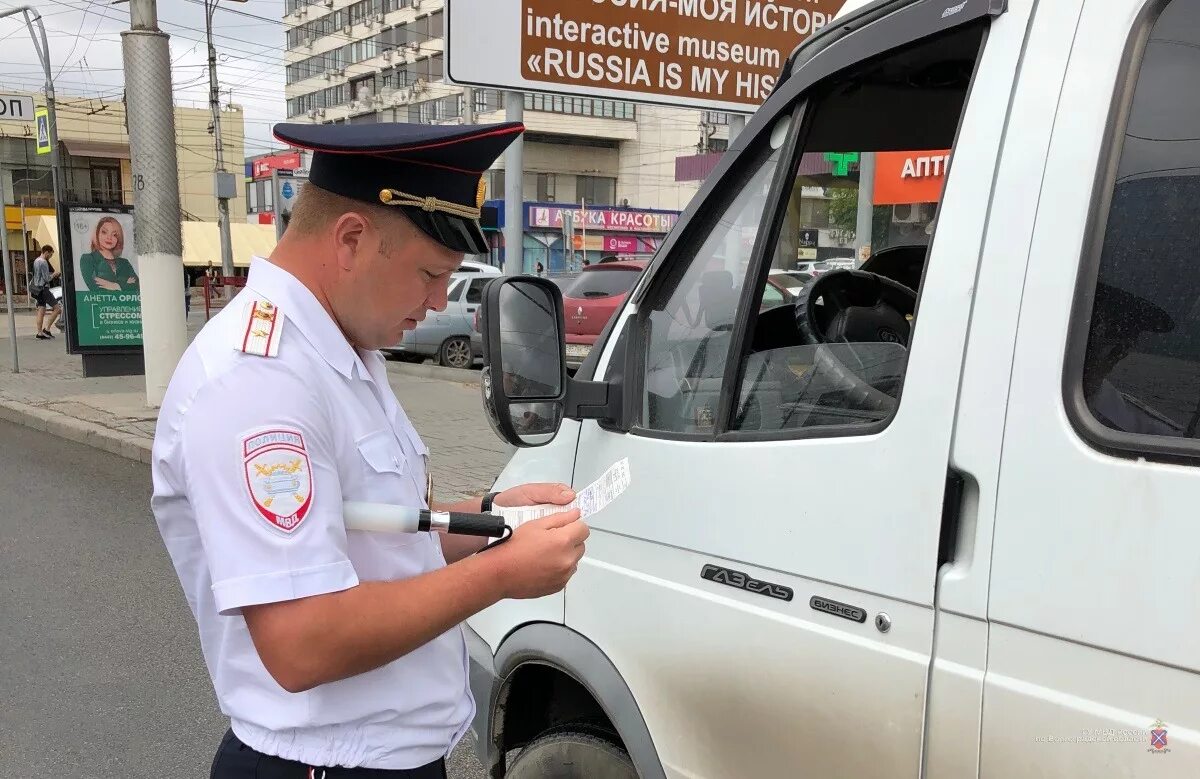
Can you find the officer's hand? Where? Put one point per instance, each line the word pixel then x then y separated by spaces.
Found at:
pixel 535 494
pixel 541 555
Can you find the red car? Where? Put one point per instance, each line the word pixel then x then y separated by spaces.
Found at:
pixel 590 300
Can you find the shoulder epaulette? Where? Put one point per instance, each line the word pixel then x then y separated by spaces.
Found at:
pixel 262 326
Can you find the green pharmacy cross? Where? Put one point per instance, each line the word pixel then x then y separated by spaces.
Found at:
pixel 841 161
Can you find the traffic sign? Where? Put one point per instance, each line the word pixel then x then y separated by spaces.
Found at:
pixel 16 108
pixel 42 116
pixel 723 55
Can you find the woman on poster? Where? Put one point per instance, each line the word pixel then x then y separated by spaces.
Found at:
pixel 104 267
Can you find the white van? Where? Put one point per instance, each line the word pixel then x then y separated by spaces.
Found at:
pixel 941 517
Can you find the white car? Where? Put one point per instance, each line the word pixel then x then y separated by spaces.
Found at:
pixel 446 335
pixel 862 538
pixel 475 266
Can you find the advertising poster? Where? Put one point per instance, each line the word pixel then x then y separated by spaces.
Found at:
pixel 105 285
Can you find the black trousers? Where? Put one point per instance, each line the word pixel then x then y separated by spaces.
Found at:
pixel 235 760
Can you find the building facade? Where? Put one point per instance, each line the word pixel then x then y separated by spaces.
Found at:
pixel 95 159
pixel 365 61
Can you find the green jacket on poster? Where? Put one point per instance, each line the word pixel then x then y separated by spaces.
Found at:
pixel 95 266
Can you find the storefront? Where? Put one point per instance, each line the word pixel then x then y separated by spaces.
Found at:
pixel 910 184
pixel 562 237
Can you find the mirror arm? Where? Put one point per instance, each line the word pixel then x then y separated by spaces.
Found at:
pixel 593 400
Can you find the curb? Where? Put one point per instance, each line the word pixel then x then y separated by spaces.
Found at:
pixel 458 375
pixel 130 447
pixel 136 448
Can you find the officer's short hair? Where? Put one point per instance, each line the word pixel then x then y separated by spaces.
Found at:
pixel 317 208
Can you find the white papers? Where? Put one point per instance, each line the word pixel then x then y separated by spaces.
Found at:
pixel 590 500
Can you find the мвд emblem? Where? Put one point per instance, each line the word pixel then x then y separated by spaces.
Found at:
pixel 278 477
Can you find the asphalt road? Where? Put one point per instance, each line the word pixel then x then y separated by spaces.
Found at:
pixel 100 668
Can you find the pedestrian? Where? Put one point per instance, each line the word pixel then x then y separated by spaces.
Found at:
pixel 44 301
pixel 541 269
pixel 187 296
pixel 332 649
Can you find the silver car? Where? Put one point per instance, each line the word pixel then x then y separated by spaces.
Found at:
pixel 446 335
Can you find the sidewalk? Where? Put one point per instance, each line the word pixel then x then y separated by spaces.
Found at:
pixel 51 395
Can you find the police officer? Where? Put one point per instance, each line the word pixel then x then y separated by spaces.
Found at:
pixel 336 653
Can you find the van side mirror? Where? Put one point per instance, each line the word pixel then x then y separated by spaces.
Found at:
pixel 524 379
pixel 526 391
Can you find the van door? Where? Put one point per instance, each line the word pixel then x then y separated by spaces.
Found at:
pixel 765 585
pixel 1094 648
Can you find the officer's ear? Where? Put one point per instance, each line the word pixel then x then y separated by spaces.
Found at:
pixel 349 235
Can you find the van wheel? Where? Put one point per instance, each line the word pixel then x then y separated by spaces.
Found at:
pixel 456 352
pixel 574 751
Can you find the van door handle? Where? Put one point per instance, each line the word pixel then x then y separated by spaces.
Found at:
pixel 470 311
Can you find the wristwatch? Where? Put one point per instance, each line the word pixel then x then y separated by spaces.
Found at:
pixel 485 505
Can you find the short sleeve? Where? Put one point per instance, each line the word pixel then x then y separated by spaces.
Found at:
pixel 262 480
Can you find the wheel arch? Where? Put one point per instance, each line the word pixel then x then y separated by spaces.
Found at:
pixel 553 665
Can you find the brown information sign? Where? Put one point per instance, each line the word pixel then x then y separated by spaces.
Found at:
pixel 722 55
pixel 695 51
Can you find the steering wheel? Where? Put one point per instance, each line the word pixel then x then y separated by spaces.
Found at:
pixel 855 307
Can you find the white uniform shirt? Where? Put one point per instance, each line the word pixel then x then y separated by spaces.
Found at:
pixel 252 460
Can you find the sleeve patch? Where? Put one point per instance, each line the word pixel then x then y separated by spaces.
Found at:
pixel 278 477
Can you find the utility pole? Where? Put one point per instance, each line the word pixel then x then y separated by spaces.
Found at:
pixel 224 183
pixel 514 197
pixel 468 112
pixel 8 279
pixel 147 58
pixel 866 208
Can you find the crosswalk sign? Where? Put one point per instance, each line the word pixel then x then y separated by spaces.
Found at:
pixel 42 116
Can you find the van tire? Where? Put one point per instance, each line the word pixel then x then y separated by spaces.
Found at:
pixel 456 352
pixel 575 751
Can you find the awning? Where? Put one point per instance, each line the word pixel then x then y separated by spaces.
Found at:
pixel 44 230
pixel 202 243
pixel 201 240
pixel 107 149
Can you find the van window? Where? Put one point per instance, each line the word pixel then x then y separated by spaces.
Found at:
pixel 1141 361
pixel 690 323
pixel 837 358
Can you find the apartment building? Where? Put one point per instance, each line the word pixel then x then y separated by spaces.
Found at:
pixel 611 161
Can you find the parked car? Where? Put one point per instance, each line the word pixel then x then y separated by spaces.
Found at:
pixel 854 544
pixel 590 299
pixel 791 280
pixel 561 280
pixel 475 266
pixel 446 335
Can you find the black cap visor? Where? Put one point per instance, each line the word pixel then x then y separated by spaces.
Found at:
pixel 453 232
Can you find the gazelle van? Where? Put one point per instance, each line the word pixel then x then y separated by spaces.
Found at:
pixel 937 517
